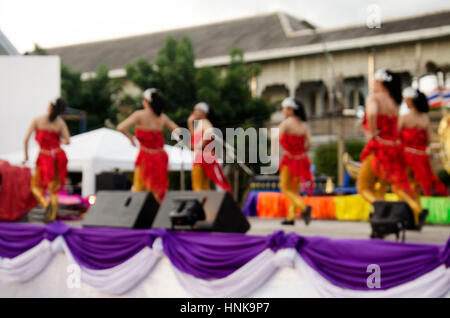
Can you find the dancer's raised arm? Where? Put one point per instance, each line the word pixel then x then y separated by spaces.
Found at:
pixel 123 127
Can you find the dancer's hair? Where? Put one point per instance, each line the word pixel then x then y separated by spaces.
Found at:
pixel 300 111
pixel 58 108
pixel 394 86
pixel 155 99
pixel 421 102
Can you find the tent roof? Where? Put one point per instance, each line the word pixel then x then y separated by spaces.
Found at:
pixel 105 149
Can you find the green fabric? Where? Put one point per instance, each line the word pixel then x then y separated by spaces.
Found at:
pixel 439 209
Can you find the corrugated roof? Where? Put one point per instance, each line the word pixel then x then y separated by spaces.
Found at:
pixel 253 34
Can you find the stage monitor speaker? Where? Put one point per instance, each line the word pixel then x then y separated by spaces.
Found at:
pixel 391 218
pixel 221 212
pixel 123 209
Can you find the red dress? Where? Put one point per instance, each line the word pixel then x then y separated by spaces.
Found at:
pixel 388 161
pixel 296 159
pixel 51 158
pixel 414 141
pixel 153 161
pixel 208 161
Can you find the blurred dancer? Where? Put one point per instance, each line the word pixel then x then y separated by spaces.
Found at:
pixel 206 167
pixel 51 164
pixel 295 166
pixel 151 166
pixel 415 133
pixel 383 162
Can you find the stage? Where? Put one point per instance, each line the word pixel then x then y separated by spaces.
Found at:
pixel 326 259
pixel 430 234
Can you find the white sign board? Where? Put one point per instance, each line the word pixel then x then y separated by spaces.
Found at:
pixel 27 85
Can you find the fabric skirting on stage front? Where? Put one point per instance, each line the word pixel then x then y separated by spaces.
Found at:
pixel 59 261
pixel 344 207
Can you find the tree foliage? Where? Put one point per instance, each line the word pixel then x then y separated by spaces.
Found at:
pixel 326 158
pixel 183 85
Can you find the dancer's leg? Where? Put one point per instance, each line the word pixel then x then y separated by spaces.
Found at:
pixel 291 193
pixel 366 182
pixel 200 181
pixel 138 183
pixel 412 199
pixel 54 187
pixel 37 190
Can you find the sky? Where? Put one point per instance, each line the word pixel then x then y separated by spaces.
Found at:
pixel 51 23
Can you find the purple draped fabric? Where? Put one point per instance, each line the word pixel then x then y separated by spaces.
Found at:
pixel 16 238
pixel 343 262
pixel 217 255
pixel 249 208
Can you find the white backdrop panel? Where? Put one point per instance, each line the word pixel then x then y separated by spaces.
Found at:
pixel 27 85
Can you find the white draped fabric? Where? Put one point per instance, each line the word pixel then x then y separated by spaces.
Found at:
pixel 49 270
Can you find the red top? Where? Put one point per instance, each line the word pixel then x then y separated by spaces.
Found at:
pixel 153 161
pixel 52 159
pixel 296 159
pixel 206 158
pixel 414 138
pixel 414 141
pixel 388 161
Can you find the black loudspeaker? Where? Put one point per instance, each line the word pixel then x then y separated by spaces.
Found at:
pixel 221 213
pixel 391 218
pixel 123 209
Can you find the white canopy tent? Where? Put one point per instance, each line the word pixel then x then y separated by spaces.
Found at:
pixel 103 150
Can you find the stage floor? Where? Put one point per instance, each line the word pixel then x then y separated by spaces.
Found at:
pixel 432 234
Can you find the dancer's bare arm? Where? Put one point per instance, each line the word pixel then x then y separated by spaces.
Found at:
pixel 123 127
pixel 65 134
pixel 30 130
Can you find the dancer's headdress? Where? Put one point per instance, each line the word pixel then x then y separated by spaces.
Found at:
pixel 382 75
pixel 410 92
pixel 202 106
pixel 290 103
pixel 148 94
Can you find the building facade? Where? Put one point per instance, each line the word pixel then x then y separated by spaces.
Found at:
pixel 297 59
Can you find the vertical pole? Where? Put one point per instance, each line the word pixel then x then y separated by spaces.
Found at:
pixel 340 103
pixel 182 180
pixel 370 70
pixel 236 183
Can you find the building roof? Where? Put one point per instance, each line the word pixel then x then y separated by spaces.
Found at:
pixel 212 42
pixel 6 47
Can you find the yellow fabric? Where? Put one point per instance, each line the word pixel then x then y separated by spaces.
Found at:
pixel 37 190
pixel 139 185
pixel 290 188
pixel 53 187
pixel 200 181
pixel 352 208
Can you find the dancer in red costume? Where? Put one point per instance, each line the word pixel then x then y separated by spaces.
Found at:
pixel 295 166
pixel 383 162
pixel 151 172
pixel 415 133
pixel 206 167
pixel 51 164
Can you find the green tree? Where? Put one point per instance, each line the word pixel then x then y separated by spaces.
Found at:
pixel 97 99
pixel 325 157
pixel 229 96
pixel 143 74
